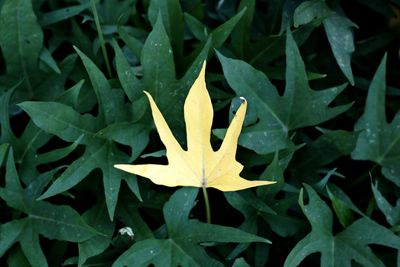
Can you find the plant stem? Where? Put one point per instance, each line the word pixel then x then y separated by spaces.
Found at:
pixel 101 38
pixel 207 203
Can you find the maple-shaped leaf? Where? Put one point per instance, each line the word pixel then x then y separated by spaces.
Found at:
pixel 298 107
pixel 352 244
pixel 199 165
pixel 379 141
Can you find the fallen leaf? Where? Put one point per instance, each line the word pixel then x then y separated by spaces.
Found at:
pixel 199 165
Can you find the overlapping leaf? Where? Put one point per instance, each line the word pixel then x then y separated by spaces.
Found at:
pixel 325 149
pixel 379 141
pixel 340 249
pixel 158 46
pixel 298 107
pixel 159 75
pixel 52 221
pixel 338 28
pixel 97 133
pixel 26 145
pixel 182 247
pixel 199 165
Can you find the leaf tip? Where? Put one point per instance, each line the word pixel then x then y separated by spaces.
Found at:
pixel 118 166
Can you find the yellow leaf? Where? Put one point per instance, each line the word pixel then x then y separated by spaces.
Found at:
pixel 200 165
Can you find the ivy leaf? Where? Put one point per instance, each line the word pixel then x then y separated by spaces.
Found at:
pixel 199 165
pixel 300 106
pixel 182 248
pixel 341 249
pixel 379 141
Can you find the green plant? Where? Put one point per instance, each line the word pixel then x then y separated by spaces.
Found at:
pixel 322 122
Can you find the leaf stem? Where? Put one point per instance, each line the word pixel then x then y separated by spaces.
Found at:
pixel 101 38
pixel 207 204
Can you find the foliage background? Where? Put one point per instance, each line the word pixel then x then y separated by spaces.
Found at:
pixel 321 78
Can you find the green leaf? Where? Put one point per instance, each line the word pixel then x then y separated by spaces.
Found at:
pixel 12 193
pixel 60 222
pixel 30 245
pixel 52 221
pixel 272 47
pixel 343 248
pixel 130 83
pixel 330 146
pixel 341 209
pixel 7 134
pixel 298 107
pixel 77 171
pixel 379 141
pixel 72 95
pixel 222 32
pixel 21 41
pixel 61 14
pixel 66 123
pixel 48 59
pixel 132 86
pixel 97 216
pixel 339 195
pixel 310 10
pixel 339 30
pixel 111 102
pixel 218 35
pixel 27 144
pixel 124 132
pixel 9 234
pixel 240 262
pixel 3 152
pixel 60 120
pixel 196 27
pixel 184 235
pixel 172 18
pixel 391 213
pixel 112 14
pixel 17 258
pixel 134 44
pixel 159 76
pixel 251 207
pixel 158 63
pixel 241 34
pixel 53 85
pixel 57 154
pixel 98 154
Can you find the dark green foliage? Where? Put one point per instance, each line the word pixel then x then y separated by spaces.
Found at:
pixel 323 122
